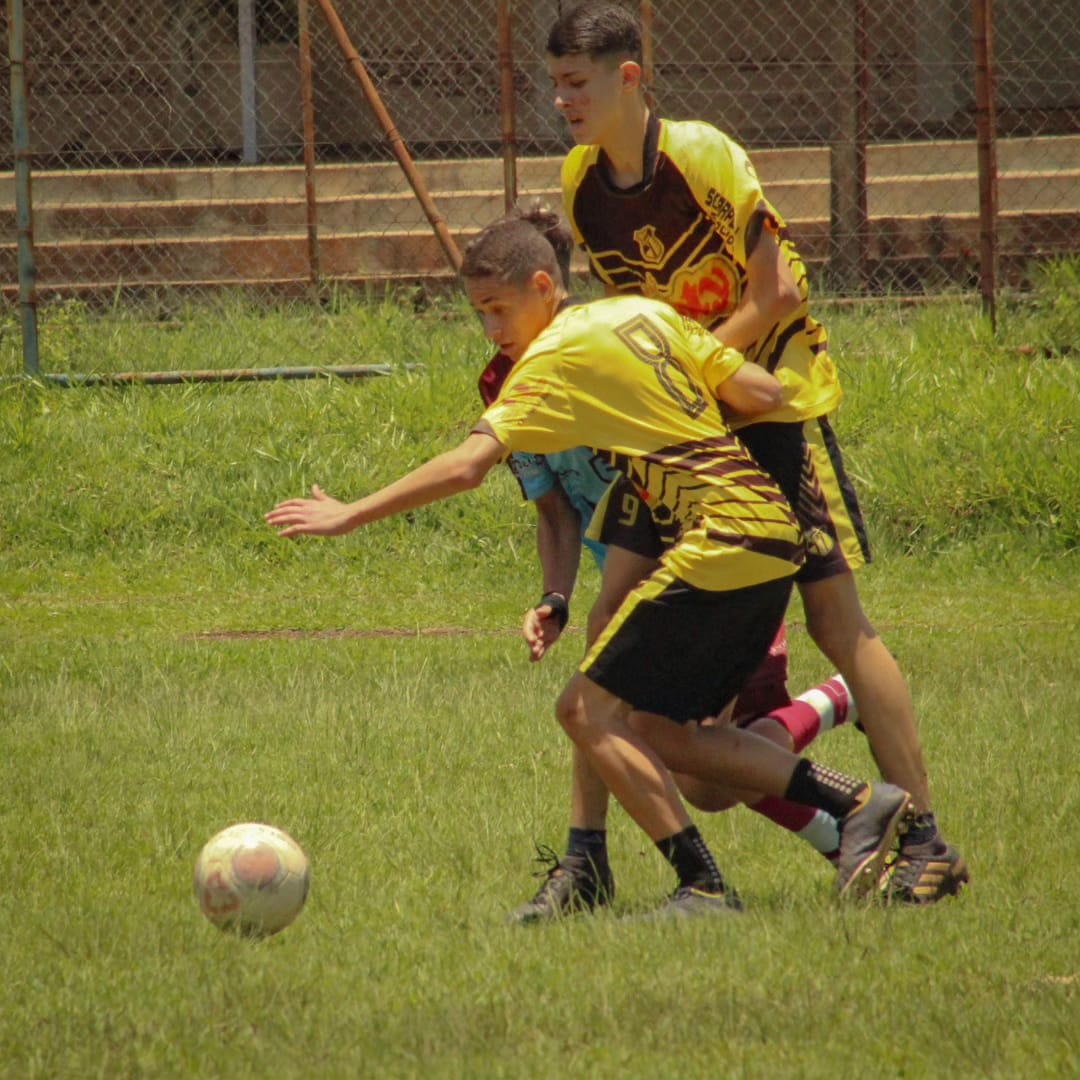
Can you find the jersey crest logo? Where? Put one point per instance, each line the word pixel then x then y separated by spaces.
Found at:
pixel 818 542
pixel 650 245
pixel 706 290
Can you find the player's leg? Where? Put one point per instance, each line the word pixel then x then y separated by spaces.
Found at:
pixel 705 644
pixel 764 707
pixel 596 720
pixel 928 868
pixel 581 878
pixel 794 726
pixel 806 462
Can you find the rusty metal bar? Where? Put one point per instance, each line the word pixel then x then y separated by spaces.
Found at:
pixel 397 145
pixel 307 104
pixel 986 135
pixel 24 215
pixel 225 375
pixel 506 101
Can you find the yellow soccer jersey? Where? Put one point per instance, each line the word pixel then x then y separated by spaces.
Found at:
pixel 635 380
pixel 680 236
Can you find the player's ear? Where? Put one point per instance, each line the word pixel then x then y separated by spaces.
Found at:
pixel 543 283
pixel 630 70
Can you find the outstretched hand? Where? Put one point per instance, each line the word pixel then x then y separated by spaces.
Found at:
pixel 320 515
pixel 540 631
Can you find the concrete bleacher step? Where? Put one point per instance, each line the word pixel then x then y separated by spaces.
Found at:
pixel 96 231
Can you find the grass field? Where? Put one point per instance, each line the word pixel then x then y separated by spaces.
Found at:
pixel 168 666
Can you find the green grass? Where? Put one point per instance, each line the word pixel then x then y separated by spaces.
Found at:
pixel 167 666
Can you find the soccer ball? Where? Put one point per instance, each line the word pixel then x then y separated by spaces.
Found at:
pixel 252 879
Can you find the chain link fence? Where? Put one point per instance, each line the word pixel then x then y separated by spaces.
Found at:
pixel 168 138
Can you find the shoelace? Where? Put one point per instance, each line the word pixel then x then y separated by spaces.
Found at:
pixel 550 860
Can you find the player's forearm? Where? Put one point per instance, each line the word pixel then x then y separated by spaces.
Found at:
pixel 441 477
pixel 754 318
pixel 558 547
pixel 771 295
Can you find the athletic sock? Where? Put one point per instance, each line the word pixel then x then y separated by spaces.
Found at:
pixel 818 828
pixel 693 861
pixel 923 830
pixel 825 706
pixel 828 790
pixel 588 844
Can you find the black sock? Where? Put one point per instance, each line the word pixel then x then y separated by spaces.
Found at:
pixel 693 862
pixel 590 844
pixel 823 788
pixel 923 830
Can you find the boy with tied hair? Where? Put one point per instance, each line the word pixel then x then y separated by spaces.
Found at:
pixel 566 488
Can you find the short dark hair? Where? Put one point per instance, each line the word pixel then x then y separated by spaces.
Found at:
pixel 596 29
pixel 512 248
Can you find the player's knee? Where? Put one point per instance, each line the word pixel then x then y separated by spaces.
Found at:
pixel 835 619
pixel 571 713
pixel 703 796
pixel 773 730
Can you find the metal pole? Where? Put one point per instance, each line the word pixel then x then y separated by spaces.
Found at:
pixel 249 115
pixel 847 157
pixel 506 101
pixel 397 145
pixel 307 99
pixel 224 375
pixel 862 131
pixel 24 217
pixel 986 134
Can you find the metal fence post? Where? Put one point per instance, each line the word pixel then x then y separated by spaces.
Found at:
pixel 503 15
pixel 23 203
pixel 249 108
pixel 307 103
pixel 986 135
pixel 847 170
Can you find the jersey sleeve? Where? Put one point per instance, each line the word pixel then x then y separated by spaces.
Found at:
pixel 534 412
pixel 716 360
pixel 724 182
pixel 573 171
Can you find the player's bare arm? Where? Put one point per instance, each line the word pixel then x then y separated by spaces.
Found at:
pixel 750 391
pixel 448 474
pixel 558 546
pixel 771 294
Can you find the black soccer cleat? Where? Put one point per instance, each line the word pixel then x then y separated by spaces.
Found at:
pixel 690 902
pixel 867 835
pixel 573 884
pixel 924 874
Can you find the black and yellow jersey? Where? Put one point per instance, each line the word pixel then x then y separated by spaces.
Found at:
pixel 635 380
pixel 681 236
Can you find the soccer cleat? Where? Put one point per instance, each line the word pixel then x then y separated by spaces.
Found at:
pixel 572 884
pixel 867 834
pixel 924 874
pixel 688 902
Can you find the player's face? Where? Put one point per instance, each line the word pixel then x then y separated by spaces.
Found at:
pixel 512 315
pixel 589 94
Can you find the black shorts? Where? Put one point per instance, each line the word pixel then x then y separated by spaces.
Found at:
pixel 806 463
pixel 684 652
pixel 622 520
